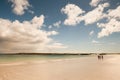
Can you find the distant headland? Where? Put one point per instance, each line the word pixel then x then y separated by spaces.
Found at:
pixel 59 53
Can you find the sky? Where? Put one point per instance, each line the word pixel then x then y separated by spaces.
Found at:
pixel 69 26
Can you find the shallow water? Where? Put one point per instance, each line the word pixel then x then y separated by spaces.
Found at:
pixel 16 58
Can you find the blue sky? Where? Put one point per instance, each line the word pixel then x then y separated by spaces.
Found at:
pixel 60 26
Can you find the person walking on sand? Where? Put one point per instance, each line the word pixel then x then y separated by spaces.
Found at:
pixel 100 57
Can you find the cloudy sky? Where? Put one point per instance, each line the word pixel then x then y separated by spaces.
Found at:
pixel 59 26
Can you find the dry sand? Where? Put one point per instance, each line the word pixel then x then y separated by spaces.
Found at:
pixel 83 68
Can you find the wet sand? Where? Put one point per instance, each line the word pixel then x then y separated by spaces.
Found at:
pixel 83 68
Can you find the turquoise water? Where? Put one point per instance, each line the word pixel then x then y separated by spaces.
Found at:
pixel 14 58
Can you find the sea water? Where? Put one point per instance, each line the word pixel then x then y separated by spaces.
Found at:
pixel 16 58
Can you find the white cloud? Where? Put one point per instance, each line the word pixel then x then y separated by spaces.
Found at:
pixel 112 25
pixel 57 45
pixel 112 18
pixel 91 33
pixel 50 26
pixel 57 24
pixel 108 28
pixel 30 11
pixel 95 15
pixel 94 3
pixel 52 33
pixel 16 36
pixel 19 6
pixel 115 13
pixel 37 21
pixel 95 42
pixel 73 13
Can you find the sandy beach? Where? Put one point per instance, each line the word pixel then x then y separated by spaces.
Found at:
pixel 83 68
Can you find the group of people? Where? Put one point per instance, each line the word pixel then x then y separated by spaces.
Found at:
pixel 100 57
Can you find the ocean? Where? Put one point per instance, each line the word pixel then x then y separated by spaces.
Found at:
pixel 19 58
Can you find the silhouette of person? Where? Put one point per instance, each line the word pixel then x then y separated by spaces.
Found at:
pixel 100 57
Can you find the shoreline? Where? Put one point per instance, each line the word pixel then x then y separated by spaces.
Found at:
pixel 29 61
